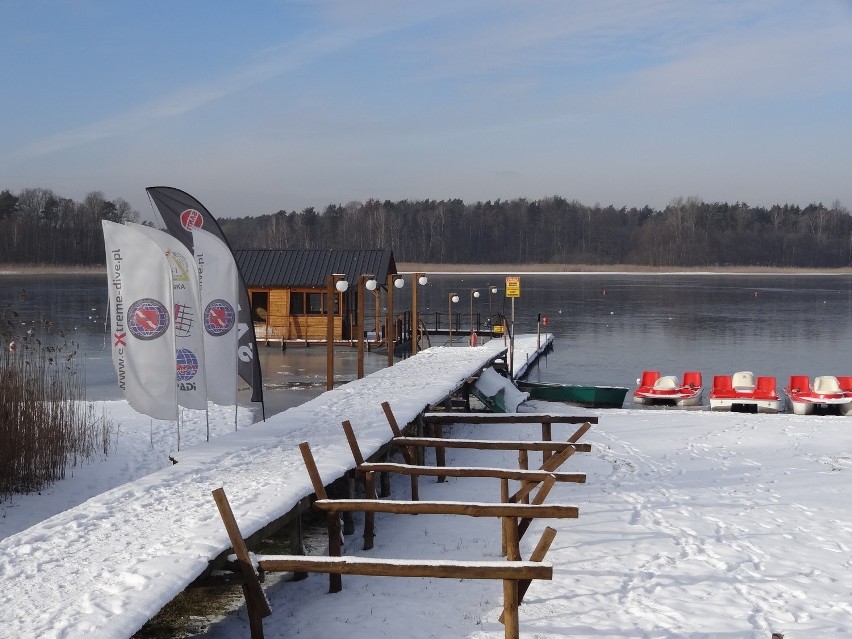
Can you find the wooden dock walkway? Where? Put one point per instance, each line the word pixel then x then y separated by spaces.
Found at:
pixel 104 568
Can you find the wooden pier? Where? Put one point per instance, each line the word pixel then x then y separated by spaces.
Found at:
pixel 170 539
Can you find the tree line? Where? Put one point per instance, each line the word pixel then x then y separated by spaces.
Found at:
pixel 36 226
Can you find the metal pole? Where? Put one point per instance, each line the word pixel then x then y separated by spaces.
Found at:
pixel 512 342
pixel 390 320
pixel 415 343
pixel 362 292
pixel 329 334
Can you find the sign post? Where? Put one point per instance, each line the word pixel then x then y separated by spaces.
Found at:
pixel 513 290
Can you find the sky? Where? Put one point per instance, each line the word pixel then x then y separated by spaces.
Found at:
pixel 289 104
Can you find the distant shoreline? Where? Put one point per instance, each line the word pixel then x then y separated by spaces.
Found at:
pixel 507 269
pixel 520 269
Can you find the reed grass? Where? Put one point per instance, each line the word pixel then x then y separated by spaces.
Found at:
pixel 46 426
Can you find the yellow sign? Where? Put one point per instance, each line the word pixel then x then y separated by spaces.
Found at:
pixel 513 287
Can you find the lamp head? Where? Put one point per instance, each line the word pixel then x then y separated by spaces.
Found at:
pixel 455 298
pixel 476 293
pixel 341 286
pixel 422 280
pixel 399 282
pixel 371 284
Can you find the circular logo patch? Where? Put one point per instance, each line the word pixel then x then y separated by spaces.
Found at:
pixel 191 219
pixel 187 364
pixel 219 317
pixel 147 319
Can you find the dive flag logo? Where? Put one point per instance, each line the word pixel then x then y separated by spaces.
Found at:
pixel 147 319
pixel 219 317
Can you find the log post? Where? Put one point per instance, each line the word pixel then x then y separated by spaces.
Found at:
pixel 546 435
pixel 408 454
pixel 297 546
pixel 369 483
pixel 256 604
pixel 524 464
pixel 440 453
pixel 511 623
pixel 537 555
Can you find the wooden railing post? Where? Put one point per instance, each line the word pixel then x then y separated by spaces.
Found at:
pixel 408 454
pixel 257 606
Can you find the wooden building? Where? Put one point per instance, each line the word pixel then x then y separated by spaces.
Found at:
pixel 288 290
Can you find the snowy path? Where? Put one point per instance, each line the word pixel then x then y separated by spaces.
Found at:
pixel 103 568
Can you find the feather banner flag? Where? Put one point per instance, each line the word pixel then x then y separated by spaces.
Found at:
pixel 189 374
pixel 220 284
pixel 141 307
pixel 181 213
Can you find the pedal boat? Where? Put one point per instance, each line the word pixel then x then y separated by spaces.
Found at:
pixel 828 395
pixel 667 390
pixel 743 393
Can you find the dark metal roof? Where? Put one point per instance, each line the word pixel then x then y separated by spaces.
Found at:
pixel 277 268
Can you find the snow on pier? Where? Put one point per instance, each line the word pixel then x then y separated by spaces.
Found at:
pixel 105 567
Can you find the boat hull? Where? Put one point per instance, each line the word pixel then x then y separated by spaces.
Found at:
pixel 588 396
pixel 670 399
pixel 809 405
pixel 745 404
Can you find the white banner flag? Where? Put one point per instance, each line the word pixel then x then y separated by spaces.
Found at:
pixel 220 282
pixel 189 342
pixel 141 306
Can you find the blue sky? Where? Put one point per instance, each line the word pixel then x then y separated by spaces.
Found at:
pixel 260 106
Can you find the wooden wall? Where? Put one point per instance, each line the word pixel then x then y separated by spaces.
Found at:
pixel 281 325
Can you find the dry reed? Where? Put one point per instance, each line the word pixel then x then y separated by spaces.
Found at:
pixel 46 426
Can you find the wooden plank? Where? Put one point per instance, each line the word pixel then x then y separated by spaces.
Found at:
pixel 452 471
pixel 490 444
pixel 407 453
pixel 471 509
pixel 507 418
pixel 255 598
pixel 439 568
pixel 313 472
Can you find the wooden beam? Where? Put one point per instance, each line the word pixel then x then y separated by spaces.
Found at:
pixel 489 444
pixel 407 453
pixel 507 418
pixel 451 471
pixel 256 603
pixel 313 472
pixel 439 568
pixel 471 509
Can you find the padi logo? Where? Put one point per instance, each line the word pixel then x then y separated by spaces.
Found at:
pixel 147 319
pixel 219 317
pixel 186 364
pixel 191 219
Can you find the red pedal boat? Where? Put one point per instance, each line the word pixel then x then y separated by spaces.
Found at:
pixel 828 394
pixel 744 393
pixel 668 390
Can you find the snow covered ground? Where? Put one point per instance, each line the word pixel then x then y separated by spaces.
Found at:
pixel 692 524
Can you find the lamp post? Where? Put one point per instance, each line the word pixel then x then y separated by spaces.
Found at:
pixel 394 281
pixel 452 298
pixel 492 290
pixel 473 293
pixel 336 284
pixel 422 280
pixel 368 283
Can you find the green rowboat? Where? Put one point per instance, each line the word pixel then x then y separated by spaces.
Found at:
pixel 590 396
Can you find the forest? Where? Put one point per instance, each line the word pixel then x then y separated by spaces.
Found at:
pixel 39 227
